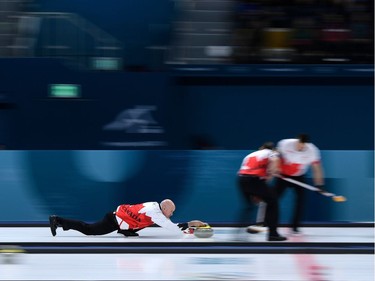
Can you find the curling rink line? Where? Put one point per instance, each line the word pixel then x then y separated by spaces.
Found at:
pixel 156 234
pixel 260 267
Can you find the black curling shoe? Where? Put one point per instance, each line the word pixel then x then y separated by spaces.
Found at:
pixel 53 224
pixel 276 238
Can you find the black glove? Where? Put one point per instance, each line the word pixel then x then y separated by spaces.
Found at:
pixel 321 188
pixel 183 226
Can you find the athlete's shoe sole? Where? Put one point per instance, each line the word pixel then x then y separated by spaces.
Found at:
pixel 254 229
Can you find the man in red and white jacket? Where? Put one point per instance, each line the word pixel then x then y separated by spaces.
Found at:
pixel 128 220
pixel 256 168
pixel 297 156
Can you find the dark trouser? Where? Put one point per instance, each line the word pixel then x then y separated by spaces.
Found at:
pixel 282 185
pixel 254 186
pixel 107 225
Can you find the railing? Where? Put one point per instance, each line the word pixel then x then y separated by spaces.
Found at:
pixel 67 36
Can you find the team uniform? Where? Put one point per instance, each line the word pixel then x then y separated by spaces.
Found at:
pixel 139 216
pixel 252 182
pixel 127 220
pixel 256 163
pixel 294 165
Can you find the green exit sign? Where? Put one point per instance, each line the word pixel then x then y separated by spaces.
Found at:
pixel 64 91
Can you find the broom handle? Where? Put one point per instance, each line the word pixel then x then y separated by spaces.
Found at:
pixel 307 186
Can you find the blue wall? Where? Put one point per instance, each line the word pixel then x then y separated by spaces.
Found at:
pixel 338 112
pixel 85 184
pixel 232 116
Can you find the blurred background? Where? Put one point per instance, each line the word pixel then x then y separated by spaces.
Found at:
pixel 106 102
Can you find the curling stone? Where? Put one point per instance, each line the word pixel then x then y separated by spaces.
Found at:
pixel 11 254
pixel 204 232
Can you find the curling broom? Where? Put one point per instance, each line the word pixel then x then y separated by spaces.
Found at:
pixel 336 198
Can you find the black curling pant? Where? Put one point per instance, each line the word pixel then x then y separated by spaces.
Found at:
pixel 107 225
pixel 282 185
pixel 255 186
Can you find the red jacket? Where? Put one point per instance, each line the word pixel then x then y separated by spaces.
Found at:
pixel 139 216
